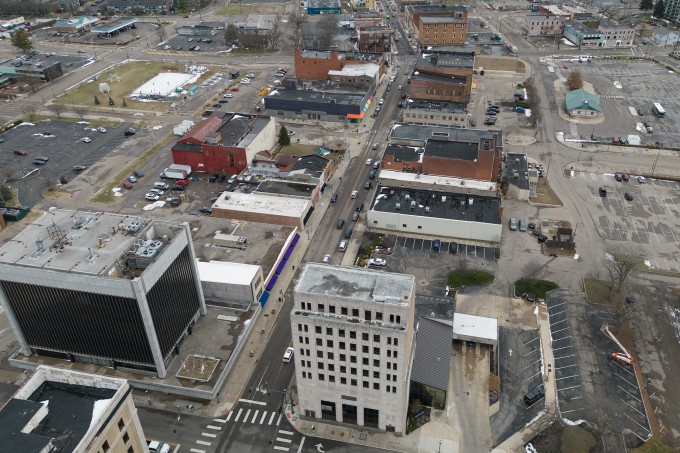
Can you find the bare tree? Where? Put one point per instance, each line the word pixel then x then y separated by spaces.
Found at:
pixel 532 269
pixel 327 30
pixel 31 111
pixel 274 32
pixel 619 262
pixel 574 81
pixel 56 108
pixel 80 111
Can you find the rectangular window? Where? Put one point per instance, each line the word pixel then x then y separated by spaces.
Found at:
pixel 329 343
pixel 376 351
pixel 364 336
pixel 343 380
pixel 331 367
pixel 364 360
pixel 364 349
pixel 389 353
pixel 322 377
pixel 343 369
pixel 394 366
pixel 317 329
pixel 376 375
pixel 376 386
pixel 368 315
pixel 319 354
pixel 331 309
pixel 364 373
pixel 396 341
pixel 343 311
pixel 376 362
pixel 343 358
pixel 389 365
pixel 319 365
pixel 329 331
pixel 395 354
pixel 365 384
pixel 321 308
pixel 376 338
pixel 389 341
pixel 352 359
pixel 378 316
pixel 353 347
pixel 319 342
pixel 394 389
pixel 300 327
pixel 398 319
pixel 355 312
pixel 331 378
pixel 330 355
pixel 353 382
pixel 352 335
pixel 341 333
pixel 306 328
pixel 342 345
pixel 391 318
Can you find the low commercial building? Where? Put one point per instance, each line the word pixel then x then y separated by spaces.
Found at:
pixel 75 24
pixel 582 103
pixel 666 37
pixel 315 64
pixel 452 184
pixel 583 36
pixel 45 71
pixel 94 287
pixel 139 6
pixel 616 35
pixel 357 73
pixel 57 410
pixel 114 26
pixel 443 76
pixel 434 113
pixel 335 101
pixel 228 283
pixel 545 24
pixel 201 29
pixel 225 144
pixel 437 213
pixel 353 336
pixel 516 176
pixel 324 7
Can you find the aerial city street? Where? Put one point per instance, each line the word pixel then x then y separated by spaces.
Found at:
pixel 415 226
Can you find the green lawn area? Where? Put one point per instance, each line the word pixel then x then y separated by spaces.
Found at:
pixel 122 80
pixel 576 439
pixel 533 286
pixel 238 9
pixel 597 291
pixel 471 277
pixel 521 68
pixel 654 445
pixel 242 51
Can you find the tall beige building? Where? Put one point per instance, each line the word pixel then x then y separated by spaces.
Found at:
pixel 353 333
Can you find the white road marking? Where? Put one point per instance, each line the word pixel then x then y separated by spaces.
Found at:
pixel 264 414
pixel 290 433
pixel 196 450
pixel 202 442
pixel 209 435
pixel 302 442
pixel 276 447
pixel 229 415
pixel 245 418
pixel 214 427
pixel 238 415
pixel 255 416
pixel 281 439
pixel 261 403
pixel 271 419
pixel 278 422
pixel 221 420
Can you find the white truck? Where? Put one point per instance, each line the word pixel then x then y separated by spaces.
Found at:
pixel 176 171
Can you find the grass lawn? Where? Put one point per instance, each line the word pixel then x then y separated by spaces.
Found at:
pixel 654 445
pixel 238 9
pixel 576 439
pixel 597 291
pixel 297 149
pixel 545 194
pixel 122 80
pixel 242 51
pixel 459 278
pixel 533 286
pixel 105 194
pixel 521 68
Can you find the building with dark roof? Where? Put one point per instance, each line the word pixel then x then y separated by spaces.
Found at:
pixel 315 64
pixel 225 145
pixel 69 411
pixel 139 6
pixel 516 175
pixel 45 71
pixel 374 38
pixel 437 213
pixel 94 287
pixel 443 76
pixel 434 113
pixel 324 7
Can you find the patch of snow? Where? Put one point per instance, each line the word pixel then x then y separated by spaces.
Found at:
pixel 573 423
pixel 25 124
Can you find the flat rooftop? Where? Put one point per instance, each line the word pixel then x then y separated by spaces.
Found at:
pixel 472 326
pixel 439 78
pixel 424 9
pixel 86 242
pixel 452 150
pixel 347 98
pixel 436 106
pixel 439 19
pixel 402 153
pixel 288 188
pixel 357 284
pixel 349 56
pixel 420 133
pixel 441 182
pixel 583 28
pixel 262 203
pixel 232 132
pixel 353 70
pixel 256 127
pixel 437 204
pixel 112 25
pixel 432 58
pixel 229 273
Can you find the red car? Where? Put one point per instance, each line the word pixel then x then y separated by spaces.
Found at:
pixel 20 152
pixel 234 89
pixel 181 182
pixel 127 185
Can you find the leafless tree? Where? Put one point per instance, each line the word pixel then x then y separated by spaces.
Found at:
pixel 463 264
pixel 33 82
pixel 80 111
pixel 30 111
pixel 56 108
pixel 574 81
pixel 532 269
pixel 327 30
pixel 274 32
pixel 618 262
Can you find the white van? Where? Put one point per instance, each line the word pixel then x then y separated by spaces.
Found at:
pixel 161 185
pixel 343 246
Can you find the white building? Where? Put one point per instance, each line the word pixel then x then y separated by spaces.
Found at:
pixel 353 339
pixel 228 283
pixel 665 37
pixel 545 24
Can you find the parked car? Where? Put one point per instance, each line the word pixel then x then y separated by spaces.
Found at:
pixel 355 193
pixel 152 196
pixel 334 198
pixel 291 133
pixel 177 187
pixel 377 262
pixel 628 196
pixel 326 259
pixel 641 179
pixel 340 224
pixel 20 152
pixel 369 161
pixel 79 168
pixel 86 139
pixel 626 177
pixel 101 129
pixel 453 247
pixel 288 355
pixel 228 96
pixel 132 179
pixel 127 185
pixel 205 209
pixel 181 182
pixel 542 238
pixel 618 176
pixel 436 245
pixel 138 173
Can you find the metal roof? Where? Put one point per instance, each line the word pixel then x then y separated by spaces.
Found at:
pixel 432 361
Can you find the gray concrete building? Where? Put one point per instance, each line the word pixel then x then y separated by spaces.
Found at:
pixel 101 288
pixel 434 113
pixel 353 334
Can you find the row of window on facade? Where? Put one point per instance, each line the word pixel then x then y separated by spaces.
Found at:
pixel 352 346
pixel 106 448
pixel 432 116
pixel 321 366
pixel 343 381
pixel 368 314
pixel 352 334
pixel 330 356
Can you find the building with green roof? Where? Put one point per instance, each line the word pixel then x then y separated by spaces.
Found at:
pixel 581 103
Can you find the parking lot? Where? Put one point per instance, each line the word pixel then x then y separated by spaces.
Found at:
pixel 589 383
pixel 642 84
pixel 61 142
pixel 184 43
pixel 648 222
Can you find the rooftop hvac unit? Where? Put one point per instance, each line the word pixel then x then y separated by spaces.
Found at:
pixel 427 209
pixel 397 206
pixel 407 196
pixel 148 253
pixel 470 201
pixel 413 204
pixel 156 245
pixel 443 198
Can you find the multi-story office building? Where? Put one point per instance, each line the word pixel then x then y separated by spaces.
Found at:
pixel 102 288
pixel 353 332
pixel 438 25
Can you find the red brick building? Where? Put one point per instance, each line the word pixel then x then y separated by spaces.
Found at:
pixel 374 39
pixel 443 76
pixel 439 26
pixel 226 144
pixel 314 65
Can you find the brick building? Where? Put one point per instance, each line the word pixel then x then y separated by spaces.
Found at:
pixel 374 39
pixel 439 26
pixel 545 25
pixel 443 76
pixel 314 65
pixel 225 144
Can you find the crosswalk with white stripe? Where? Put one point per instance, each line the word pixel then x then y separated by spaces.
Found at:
pixel 249 416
